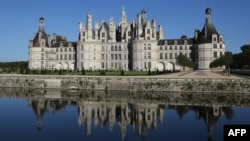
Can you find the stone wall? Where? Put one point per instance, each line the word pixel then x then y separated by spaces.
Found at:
pixel 138 84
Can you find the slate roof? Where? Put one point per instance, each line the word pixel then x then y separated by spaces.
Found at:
pixel 178 41
pixel 65 44
pixel 43 36
pixel 205 35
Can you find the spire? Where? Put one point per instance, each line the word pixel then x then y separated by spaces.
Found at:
pixel 208 29
pixel 41 24
pixel 208 15
pixel 123 16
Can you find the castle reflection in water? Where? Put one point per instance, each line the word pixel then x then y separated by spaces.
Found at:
pixel 141 111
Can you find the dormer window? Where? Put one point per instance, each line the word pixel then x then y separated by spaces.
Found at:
pixel 103 34
pixel 83 33
pixel 214 39
pixel 221 39
pixel 129 33
pixel 185 42
pixel 148 31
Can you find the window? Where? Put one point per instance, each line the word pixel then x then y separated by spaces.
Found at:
pixel 149 46
pixel 170 47
pixel 82 56
pixel 120 56
pixel 103 34
pixel 120 48
pixel 220 45
pixel 103 48
pixel 102 56
pixel 129 33
pixel 115 48
pixel 145 46
pixel 145 65
pixel 112 56
pixel 180 47
pixel 148 38
pixel 160 47
pixel 215 45
pixel 220 54
pixel 166 56
pixel 161 55
pixel 112 48
pixel 125 56
pixel 116 57
pixel 83 33
pixel 65 57
pixel 170 55
pixel 166 48
pixel 220 39
pixel 175 55
pixel 69 49
pixel 61 57
pixel 149 55
pixel 175 47
pixel 148 31
pixel 149 64
pixel 103 65
pixel 214 39
pixel 69 56
pixel 61 49
pixel 81 47
pixel 215 54
pixel 65 49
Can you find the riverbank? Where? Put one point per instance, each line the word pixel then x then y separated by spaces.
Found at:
pixel 197 81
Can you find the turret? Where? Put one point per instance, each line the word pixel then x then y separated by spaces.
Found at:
pixel 41 24
pixel 161 36
pixel 112 29
pixel 123 23
pixel 89 27
pixel 96 30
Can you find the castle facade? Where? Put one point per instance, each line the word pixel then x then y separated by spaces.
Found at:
pixel 139 45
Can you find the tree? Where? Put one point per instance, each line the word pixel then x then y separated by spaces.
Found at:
pixel 122 72
pixel 224 60
pixel 183 61
pixel 83 71
pixel 242 60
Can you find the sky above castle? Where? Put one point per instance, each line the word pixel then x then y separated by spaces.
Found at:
pixel 19 19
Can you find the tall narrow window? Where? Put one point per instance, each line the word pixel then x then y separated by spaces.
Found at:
pixel 149 64
pixel 149 46
pixel 166 55
pixel 161 55
pixel 215 54
pixel 149 55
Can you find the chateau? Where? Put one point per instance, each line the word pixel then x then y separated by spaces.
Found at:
pixel 139 45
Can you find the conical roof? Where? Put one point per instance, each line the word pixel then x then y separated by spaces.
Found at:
pixel 205 35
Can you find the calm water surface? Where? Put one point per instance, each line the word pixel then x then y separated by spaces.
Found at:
pixel 118 116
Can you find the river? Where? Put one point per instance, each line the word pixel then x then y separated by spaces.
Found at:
pixel 48 115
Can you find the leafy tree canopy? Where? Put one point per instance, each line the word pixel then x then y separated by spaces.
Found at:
pixel 183 61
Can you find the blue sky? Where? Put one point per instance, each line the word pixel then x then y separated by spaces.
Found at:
pixel 19 19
